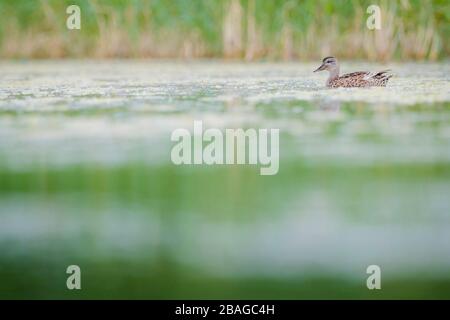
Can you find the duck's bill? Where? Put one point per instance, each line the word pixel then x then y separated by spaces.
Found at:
pixel 322 67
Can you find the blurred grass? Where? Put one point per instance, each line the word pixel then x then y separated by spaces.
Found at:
pixel 246 29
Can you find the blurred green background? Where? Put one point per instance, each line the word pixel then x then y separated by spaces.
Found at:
pixel 247 29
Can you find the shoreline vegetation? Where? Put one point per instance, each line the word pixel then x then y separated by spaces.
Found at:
pixel 248 30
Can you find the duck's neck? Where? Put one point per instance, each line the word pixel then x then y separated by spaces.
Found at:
pixel 334 74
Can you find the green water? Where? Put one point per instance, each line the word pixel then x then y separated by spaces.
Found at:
pixel 86 179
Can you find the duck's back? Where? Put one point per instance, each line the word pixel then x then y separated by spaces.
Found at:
pixel 361 79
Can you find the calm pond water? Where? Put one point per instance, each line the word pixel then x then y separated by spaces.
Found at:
pixel 86 179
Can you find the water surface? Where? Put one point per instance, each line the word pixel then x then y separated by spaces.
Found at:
pixel 86 179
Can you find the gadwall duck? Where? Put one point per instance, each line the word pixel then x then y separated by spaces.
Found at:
pixel 354 79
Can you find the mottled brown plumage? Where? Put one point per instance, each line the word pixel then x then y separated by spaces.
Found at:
pixel 354 79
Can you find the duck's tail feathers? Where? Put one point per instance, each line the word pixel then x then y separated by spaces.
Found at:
pixel 384 75
pixel 381 75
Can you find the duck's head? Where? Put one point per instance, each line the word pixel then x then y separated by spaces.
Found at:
pixel 328 63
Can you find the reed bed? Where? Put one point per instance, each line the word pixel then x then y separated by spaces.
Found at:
pixel 234 29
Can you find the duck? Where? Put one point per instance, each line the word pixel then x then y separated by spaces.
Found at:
pixel 354 79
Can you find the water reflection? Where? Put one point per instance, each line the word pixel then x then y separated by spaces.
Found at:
pixel 332 106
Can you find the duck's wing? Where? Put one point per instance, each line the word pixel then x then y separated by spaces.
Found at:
pixel 365 78
pixel 357 74
pixel 354 79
